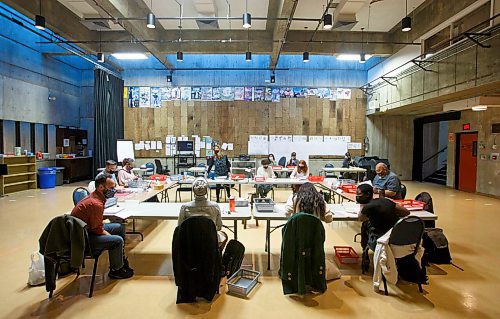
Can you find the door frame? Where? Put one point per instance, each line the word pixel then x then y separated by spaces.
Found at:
pixel 458 136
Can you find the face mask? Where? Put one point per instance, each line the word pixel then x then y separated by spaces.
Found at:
pixel 301 167
pixel 362 199
pixel 271 158
pixel 110 172
pixel 109 193
pixel 265 167
pixel 216 151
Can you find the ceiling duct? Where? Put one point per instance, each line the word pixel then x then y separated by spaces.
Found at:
pixel 206 11
pixel 345 22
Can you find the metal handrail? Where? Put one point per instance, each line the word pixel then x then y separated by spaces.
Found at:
pixel 444 149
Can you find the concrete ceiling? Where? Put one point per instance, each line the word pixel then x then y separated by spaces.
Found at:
pixel 124 21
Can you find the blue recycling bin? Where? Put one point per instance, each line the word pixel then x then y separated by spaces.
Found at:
pixel 47 177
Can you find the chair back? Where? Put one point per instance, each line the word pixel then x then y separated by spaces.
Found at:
pixel 403 191
pixel 407 231
pixel 202 165
pixel 427 199
pixel 150 169
pixel 80 193
pixel 211 175
pixel 329 165
pixel 282 161
pixel 159 167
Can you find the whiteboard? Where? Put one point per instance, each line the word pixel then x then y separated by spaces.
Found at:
pixel 306 149
pixel 124 149
pixel 258 147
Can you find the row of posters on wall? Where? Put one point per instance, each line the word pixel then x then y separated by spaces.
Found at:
pixel 144 96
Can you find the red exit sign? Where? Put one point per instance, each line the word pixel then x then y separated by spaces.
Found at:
pixel 466 127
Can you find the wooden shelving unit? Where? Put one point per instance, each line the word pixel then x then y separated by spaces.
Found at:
pixel 21 174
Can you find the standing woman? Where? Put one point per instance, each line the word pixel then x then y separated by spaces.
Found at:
pixel 301 170
pixel 222 167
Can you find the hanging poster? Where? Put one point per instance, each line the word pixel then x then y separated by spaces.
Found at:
pixel 324 93
pixel 195 93
pixel 343 94
pixel 175 93
pixel 206 93
pixel 275 95
pixel 299 92
pixel 145 96
pixel 248 93
pixel 185 93
pixel 133 96
pixel 312 92
pixel 216 93
pixel 155 97
pixel 227 93
pixel 286 92
pixel 239 93
pixel 333 95
pixel 268 94
pixel 165 94
pixel 258 94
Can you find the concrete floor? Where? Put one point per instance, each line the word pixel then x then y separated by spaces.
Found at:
pixel 469 222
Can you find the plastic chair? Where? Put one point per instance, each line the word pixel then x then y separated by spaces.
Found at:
pixel 407 231
pixel 428 206
pixel 330 174
pixel 150 169
pixel 80 193
pixel 89 253
pixel 212 175
pixel 282 161
pixel 184 189
pixel 159 168
pixel 403 191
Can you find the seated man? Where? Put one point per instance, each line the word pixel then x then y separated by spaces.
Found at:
pixel 111 170
pixel 125 175
pixel 104 236
pixel 203 207
pixel 386 181
pixel 378 215
pixel 267 172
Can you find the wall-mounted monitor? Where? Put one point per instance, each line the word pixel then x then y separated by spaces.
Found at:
pixel 185 147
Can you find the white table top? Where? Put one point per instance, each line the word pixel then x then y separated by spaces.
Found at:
pixel 344 169
pixel 197 169
pixel 170 211
pixel 341 212
pixel 281 181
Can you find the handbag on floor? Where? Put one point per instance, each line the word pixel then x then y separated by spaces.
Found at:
pixel 36 275
pixel 232 257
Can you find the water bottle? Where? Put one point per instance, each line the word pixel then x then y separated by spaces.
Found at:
pixel 232 204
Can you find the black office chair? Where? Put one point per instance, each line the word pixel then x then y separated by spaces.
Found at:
pixel 403 191
pixel 79 193
pixel 159 168
pixel 282 161
pixel 407 231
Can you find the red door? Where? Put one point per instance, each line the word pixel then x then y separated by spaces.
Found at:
pixel 467 166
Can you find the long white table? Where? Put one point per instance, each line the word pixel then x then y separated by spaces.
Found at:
pixel 341 212
pixel 170 211
pixel 351 169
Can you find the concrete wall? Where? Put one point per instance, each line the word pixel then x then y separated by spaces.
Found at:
pixel 488 171
pixel 391 137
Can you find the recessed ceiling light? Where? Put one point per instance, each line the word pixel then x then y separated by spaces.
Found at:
pixel 130 56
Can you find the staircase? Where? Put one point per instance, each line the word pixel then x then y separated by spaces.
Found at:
pixel 438 177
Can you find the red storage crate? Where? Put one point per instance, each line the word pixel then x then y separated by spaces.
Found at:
pixel 316 178
pixel 236 177
pixel 346 254
pixel 410 204
pixel 159 176
pixel 349 188
pixel 292 167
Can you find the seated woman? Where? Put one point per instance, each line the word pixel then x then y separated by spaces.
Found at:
pixel 301 170
pixel 126 175
pixel 308 200
pixel 264 171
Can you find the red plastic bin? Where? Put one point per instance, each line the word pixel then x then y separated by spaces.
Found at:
pixel 349 188
pixel 237 176
pixel 316 178
pixel 410 204
pixel 346 254
pixel 159 176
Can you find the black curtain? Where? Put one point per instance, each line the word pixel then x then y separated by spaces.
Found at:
pixel 108 113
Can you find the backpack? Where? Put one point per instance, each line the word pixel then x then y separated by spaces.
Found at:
pixel 232 257
pixel 220 166
pixel 436 249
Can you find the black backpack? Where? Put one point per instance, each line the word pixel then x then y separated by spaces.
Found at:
pixel 232 257
pixel 436 249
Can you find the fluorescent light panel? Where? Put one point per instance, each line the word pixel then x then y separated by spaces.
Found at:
pixel 352 57
pixel 130 56
pixel 479 108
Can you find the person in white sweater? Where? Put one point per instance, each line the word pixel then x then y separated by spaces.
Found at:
pixel 264 171
pixel 301 170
